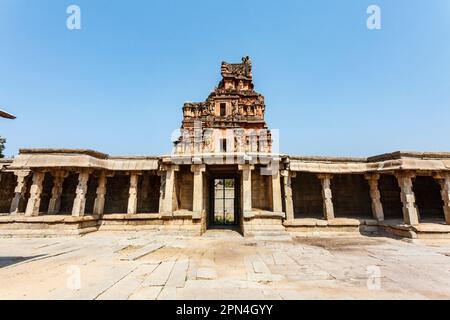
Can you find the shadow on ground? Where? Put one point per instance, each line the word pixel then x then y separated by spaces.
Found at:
pixel 8 261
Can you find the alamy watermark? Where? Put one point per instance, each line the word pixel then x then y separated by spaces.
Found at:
pixel 374 19
pixel 74 278
pixel 373 278
pixel 73 21
pixel 227 146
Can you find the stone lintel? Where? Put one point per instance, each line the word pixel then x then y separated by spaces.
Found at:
pixel 243 167
pixel 198 168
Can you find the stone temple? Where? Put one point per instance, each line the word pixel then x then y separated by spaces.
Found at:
pixel 225 172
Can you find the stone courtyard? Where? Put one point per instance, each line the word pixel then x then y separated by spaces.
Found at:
pixel 222 264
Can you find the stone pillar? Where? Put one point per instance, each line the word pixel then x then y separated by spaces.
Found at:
pixel 132 199
pixel 444 181
pixel 375 196
pixel 247 189
pixel 99 203
pixel 55 201
pixel 197 196
pixel 166 207
pixel 289 203
pixel 410 211
pixel 328 210
pixel 79 202
pixel 19 191
pixel 276 192
pixel 35 195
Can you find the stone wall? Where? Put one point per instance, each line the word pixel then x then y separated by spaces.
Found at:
pixel 184 185
pixel 307 196
pixel 261 190
pixel 351 196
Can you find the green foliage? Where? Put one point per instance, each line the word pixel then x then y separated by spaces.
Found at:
pixel 2 146
pixel 221 220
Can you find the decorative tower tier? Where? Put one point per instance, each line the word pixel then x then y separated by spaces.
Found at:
pixel 231 120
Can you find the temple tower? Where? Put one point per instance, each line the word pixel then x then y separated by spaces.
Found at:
pixel 231 120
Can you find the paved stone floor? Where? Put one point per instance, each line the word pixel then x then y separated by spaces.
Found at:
pixel 222 265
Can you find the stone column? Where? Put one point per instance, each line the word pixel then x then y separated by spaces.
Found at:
pixel 375 196
pixel 247 189
pixel 99 203
pixel 287 175
pixel 35 195
pixel 276 192
pixel 328 210
pixel 132 199
pixel 79 202
pixel 197 196
pixel 55 201
pixel 444 181
pixel 410 211
pixel 167 189
pixel 19 191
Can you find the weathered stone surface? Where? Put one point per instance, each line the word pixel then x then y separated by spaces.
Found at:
pixel 233 268
pixel 410 213
pixel 35 195
pixel 377 207
pixel 328 210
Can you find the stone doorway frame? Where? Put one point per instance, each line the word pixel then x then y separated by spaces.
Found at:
pixel 237 200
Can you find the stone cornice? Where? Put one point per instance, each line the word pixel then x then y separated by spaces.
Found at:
pixel 83 158
pixel 69 158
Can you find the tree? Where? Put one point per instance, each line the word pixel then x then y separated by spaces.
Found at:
pixel 2 146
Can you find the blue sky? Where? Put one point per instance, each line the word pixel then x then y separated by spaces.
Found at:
pixel 332 86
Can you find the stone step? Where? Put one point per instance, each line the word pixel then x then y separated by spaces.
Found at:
pixel 275 234
pixel 222 233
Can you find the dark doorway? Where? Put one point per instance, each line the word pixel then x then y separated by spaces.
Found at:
pixel 224 201
pixel 428 198
pixel 390 197
pixel 307 196
pixel 351 196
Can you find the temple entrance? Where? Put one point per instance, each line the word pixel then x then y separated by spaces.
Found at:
pixel 224 201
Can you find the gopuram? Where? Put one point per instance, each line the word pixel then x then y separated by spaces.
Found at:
pixel 225 171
